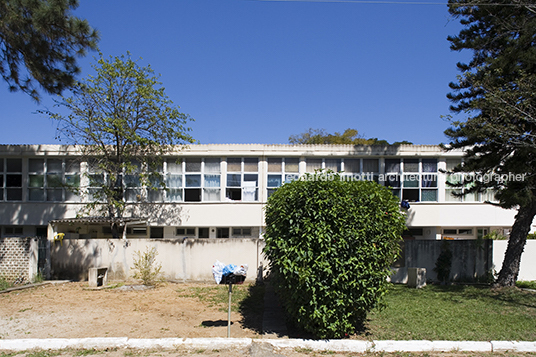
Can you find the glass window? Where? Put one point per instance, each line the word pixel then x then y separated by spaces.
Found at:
pixel 193 165
pixel 234 164
pixel 36 166
pixel 212 181
pixel 292 165
pixel 371 165
pixel 212 165
pixel 174 166
pixel 411 165
pixel 392 165
pixel 313 164
pixel 275 165
pixel 234 180
pixel 192 180
pixel 333 164
pixel 429 165
pixel 251 165
pixel 274 181
pixel 352 165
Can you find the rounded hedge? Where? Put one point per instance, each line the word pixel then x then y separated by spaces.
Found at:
pixel 331 243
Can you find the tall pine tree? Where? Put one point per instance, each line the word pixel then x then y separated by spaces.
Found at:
pixel 496 94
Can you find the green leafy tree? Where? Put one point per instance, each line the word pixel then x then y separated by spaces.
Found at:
pixel 348 137
pixel 496 93
pixel 39 43
pixel 331 243
pixel 124 123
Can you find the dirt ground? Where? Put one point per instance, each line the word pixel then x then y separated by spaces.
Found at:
pixel 71 310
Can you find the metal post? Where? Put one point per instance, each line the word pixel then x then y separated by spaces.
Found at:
pixel 229 311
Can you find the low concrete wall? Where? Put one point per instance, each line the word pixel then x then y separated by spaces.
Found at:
pixel 471 259
pixel 527 269
pixel 181 259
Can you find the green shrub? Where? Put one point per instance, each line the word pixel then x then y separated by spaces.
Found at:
pixel 147 270
pixel 331 244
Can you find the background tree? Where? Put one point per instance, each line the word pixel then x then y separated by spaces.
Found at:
pixel 331 243
pixel 348 137
pixel 39 43
pixel 124 123
pixel 496 92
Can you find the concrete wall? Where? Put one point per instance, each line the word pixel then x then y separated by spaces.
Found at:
pixel 527 270
pixel 18 258
pixel 181 259
pixel 471 259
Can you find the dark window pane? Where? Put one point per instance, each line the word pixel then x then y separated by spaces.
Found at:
pixel 192 195
pixel 36 165
pixel 203 233
pixel 392 165
pixel 14 194
pixel 234 194
pixel 14 165
pixel 13 180
pixel 157 232
pixel 222 233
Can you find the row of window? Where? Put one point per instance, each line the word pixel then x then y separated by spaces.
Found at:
pixel 189 232
pixel 205 180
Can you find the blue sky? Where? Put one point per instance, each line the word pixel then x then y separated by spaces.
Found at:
pixel 255 71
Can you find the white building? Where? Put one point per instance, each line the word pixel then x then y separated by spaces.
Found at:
pixel 218 191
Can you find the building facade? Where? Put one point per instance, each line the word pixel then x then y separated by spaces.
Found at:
pixel 218 191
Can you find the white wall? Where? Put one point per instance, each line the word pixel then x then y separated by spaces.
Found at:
pixel 527 269
pixel 459 215
pixel 184 260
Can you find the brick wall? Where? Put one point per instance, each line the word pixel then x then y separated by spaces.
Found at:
pixel 18 258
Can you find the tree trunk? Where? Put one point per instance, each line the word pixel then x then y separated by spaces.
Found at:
pixel 516 244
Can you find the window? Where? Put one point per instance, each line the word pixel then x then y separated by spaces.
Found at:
pixel 281 170
pixel 204 233
pixel 10 179
pixel 132 183
pixel 467 181
pixel 193 180
pixel 412 179
pixel 458 232
pixel 138 231
pixel 157 232
pixel 242 232
pixel 53 180
pixel 185 232
pixel 13 231
pixel 222 233
pixel 242 179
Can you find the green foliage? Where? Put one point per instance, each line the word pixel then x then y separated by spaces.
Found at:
pixel 495 94
pixel 330 244
pixel 147 269
pixel 444 263
pixel 348 137
pixel 4 283
pixel 495 235
pixel 124 123
pixel 526 284
pixel 40 41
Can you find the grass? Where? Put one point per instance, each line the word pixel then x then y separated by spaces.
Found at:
pixel 526 284
pixel 4 284
pixel 455 313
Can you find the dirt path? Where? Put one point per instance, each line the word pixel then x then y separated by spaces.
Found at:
pixel 70 310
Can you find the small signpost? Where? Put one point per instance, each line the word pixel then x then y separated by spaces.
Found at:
pixel 229 274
